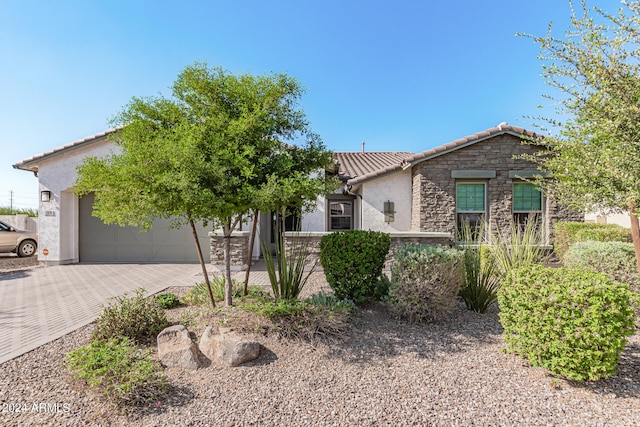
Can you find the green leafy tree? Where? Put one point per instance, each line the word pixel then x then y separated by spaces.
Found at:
pixel 212 152
pixel 593 155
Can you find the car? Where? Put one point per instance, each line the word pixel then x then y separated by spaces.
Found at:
pixel 23 243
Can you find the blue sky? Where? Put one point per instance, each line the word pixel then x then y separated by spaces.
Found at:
pixel 401 76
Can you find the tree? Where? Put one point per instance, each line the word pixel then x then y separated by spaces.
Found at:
pixel 211 152
pixel 593 156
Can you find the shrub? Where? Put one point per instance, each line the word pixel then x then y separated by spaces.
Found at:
pixel 287 274
pixel 168 301
pixel 517 247
pixel 138 318
pixel 121 372
pixel 615 259
pixel 353 262
pixel 480 286
pixel 331 301
pixel 425 280
pixel 570 321
pixel 567 233
pixel 316 318
pixel 199 295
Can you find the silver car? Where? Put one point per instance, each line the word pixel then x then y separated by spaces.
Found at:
pixel 24 243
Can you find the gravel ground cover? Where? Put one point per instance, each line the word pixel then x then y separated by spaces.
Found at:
pixel 383 372
pixel 11 263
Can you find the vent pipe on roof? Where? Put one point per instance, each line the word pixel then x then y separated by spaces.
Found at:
pixel 363 146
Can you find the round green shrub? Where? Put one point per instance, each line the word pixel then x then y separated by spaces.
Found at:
pixel 425 281
pixel 168 300
pixel 573 322
pixel 353 261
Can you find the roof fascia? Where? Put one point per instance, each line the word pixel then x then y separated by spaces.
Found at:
pixel 436 153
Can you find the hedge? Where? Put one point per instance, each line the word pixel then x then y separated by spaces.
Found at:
pixel 567 233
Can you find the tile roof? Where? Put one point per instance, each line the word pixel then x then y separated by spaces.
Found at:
pixel 355 167
pixel 469 140
pixel 358 164
pixel 408 160
pixel 31 164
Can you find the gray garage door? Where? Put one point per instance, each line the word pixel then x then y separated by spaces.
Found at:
pixel 112 243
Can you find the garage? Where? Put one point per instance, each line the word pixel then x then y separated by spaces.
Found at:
pixel 99 242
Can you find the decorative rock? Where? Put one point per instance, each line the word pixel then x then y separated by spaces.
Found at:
pixel 227 347
pixel 176 349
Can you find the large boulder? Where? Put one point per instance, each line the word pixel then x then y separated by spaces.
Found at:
pixel 176 349
pixel 227 347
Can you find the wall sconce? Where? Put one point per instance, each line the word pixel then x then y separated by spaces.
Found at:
pixel 389 211
pixel 45 196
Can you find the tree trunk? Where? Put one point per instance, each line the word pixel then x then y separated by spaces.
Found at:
pixel 635 232
pixel 202 265
pixel 228 288
pixel 253 239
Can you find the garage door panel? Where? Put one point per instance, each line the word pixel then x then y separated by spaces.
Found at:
pixel 111 243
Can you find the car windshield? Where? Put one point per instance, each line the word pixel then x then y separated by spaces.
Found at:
pixel 4 227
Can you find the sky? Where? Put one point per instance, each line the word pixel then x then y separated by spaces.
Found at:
pixel 400 76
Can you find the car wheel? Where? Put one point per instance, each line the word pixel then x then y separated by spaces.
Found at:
pixel 27 248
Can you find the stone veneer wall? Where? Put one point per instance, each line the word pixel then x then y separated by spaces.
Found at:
pixel 239 250
pixel 311 240
pixel 434 206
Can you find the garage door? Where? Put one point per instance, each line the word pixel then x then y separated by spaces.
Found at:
pixel 111 243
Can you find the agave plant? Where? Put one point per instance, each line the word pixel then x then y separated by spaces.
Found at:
pixel 287 272
pixel 480 288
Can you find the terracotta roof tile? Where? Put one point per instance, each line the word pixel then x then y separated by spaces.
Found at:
pixel 358 164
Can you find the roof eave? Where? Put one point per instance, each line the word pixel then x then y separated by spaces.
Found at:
pixel 374 175
pixel 443 149
pixel 32 163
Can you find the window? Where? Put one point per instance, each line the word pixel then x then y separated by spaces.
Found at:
pixel 340 214
pixel 527 203
pixel 470 204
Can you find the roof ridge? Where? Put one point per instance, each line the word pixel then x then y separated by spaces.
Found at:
pixel 439 150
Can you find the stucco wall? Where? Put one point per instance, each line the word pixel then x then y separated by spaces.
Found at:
pixel 316 219
pixel 58 218
pixel 621 219
pixel 395 188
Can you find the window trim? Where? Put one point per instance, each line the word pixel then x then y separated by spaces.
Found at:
pixel 538 213
pixel 484 212
pixel 329 216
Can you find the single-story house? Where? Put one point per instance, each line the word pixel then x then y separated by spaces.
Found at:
pixel 408 195
pixel 470 179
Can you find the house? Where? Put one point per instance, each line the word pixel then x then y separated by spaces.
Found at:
pixel 68 233
pixel 414 197
pixel 470 179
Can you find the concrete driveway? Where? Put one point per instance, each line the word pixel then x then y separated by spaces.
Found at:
pixel 42 304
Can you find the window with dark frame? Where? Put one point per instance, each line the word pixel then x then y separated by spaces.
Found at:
pixel 340 214
pixel 471 205
pixel 527 203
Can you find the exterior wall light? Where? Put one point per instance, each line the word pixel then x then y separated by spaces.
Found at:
pixel 389 211
pixel 45 196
